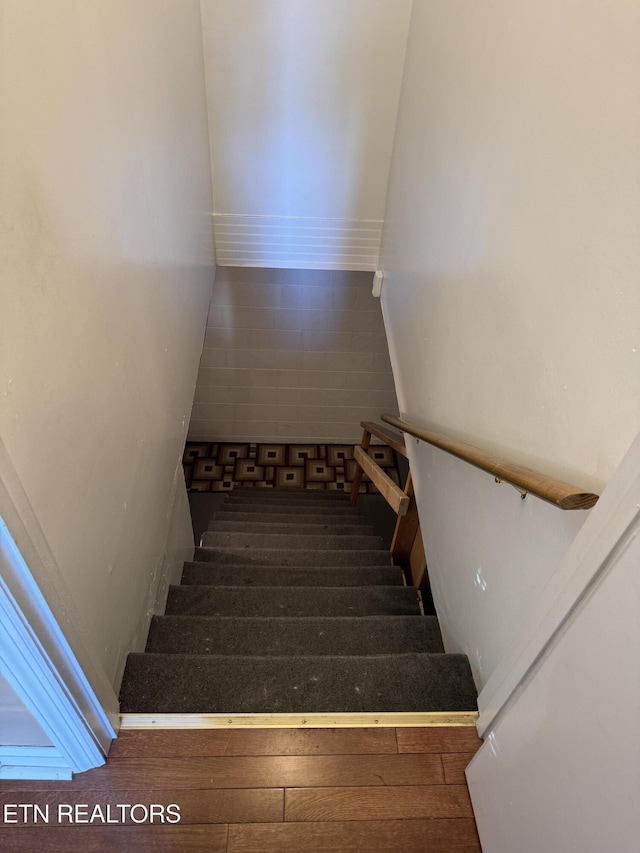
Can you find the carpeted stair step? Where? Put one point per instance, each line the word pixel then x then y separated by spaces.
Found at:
pixel 294 495
pixel 271 541
pixel 333 510
pixel 291 528
pixel 291 557
pixel 212 575
pixel 174 684
pixel 197 600
pixel 291 605
pixel 306 635
pixel 286 500
pixel 292 518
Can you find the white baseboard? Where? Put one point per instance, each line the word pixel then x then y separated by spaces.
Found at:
pixel 33 762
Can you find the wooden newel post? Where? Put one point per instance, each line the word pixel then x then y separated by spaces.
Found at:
pixel 357 477
pixel 406 528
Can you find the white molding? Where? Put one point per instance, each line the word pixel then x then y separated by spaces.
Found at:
pixel 34 763
pixel 41 594
pixel 23 764
pixel 298 721
pixel 36 680
pixel 611 526
pixel 297 242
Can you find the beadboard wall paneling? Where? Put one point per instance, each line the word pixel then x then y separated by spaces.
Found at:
pixel 290 354
pixel 297 242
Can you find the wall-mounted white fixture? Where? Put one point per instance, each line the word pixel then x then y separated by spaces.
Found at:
pixel 378 279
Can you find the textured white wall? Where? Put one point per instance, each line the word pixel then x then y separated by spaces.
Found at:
pixel 559 770
pixel 107 269
pixel 302 100
pixel 511 298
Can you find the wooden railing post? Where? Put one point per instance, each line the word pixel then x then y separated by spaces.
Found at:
pixel 406 547
pixel 357 477
pixel 406 528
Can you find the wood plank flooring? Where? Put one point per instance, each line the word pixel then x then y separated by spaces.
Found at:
pixel 261 791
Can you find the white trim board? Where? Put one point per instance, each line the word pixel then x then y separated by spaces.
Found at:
pixel 58 625
pixel 36 763
pixel 611 526
pixel 294 242
pixel 32 673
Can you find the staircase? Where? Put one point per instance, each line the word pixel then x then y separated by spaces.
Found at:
pixel 292 606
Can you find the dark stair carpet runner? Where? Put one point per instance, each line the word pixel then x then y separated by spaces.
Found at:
pixel 292 606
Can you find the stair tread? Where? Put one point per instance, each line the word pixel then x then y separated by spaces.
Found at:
pixel 291 493
pixel 203 600
pixel 292 528
pixel 339 510
pixel 292 557
pixel 304 541
pixel 203 573
pixel 283 500
pixel 216 565
pixel 304 635
pixel 167 683
pixel 314 518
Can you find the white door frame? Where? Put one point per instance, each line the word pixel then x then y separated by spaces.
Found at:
pixel 43 651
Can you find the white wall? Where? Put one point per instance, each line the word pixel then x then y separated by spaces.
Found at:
pixel 559 770
pixel 511 297
pixel 105 238
pixel 291 355
pixel 302 101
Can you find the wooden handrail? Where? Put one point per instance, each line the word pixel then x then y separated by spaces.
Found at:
pixel 556 492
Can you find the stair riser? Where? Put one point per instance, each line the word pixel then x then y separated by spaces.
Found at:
pixel 204 574
pixel 269 541
pixel 377 635
pixel 268 510
pixel 290 557
pixel 291 601
pixel 295 495
pixel 175 684
pixel 316 520
pixel 273 500
pixel 290 528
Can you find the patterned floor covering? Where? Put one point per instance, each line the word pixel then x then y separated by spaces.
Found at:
pixel 218 467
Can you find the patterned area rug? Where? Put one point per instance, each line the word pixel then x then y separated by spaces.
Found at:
pixel 217 467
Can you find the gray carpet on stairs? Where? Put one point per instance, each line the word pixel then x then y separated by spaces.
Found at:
pixel 291 635
pixel 275 515
pixel 295 496
pixel 331 511
pixel 300 684
pixel 292 540
pixel 212 575
pixel 291 605
pixel 292 528
pixel 196 600
pixel 292 557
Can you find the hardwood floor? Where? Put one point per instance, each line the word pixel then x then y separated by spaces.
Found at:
pixel 258 791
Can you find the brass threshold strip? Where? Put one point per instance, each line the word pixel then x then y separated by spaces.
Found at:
pixel 296 721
